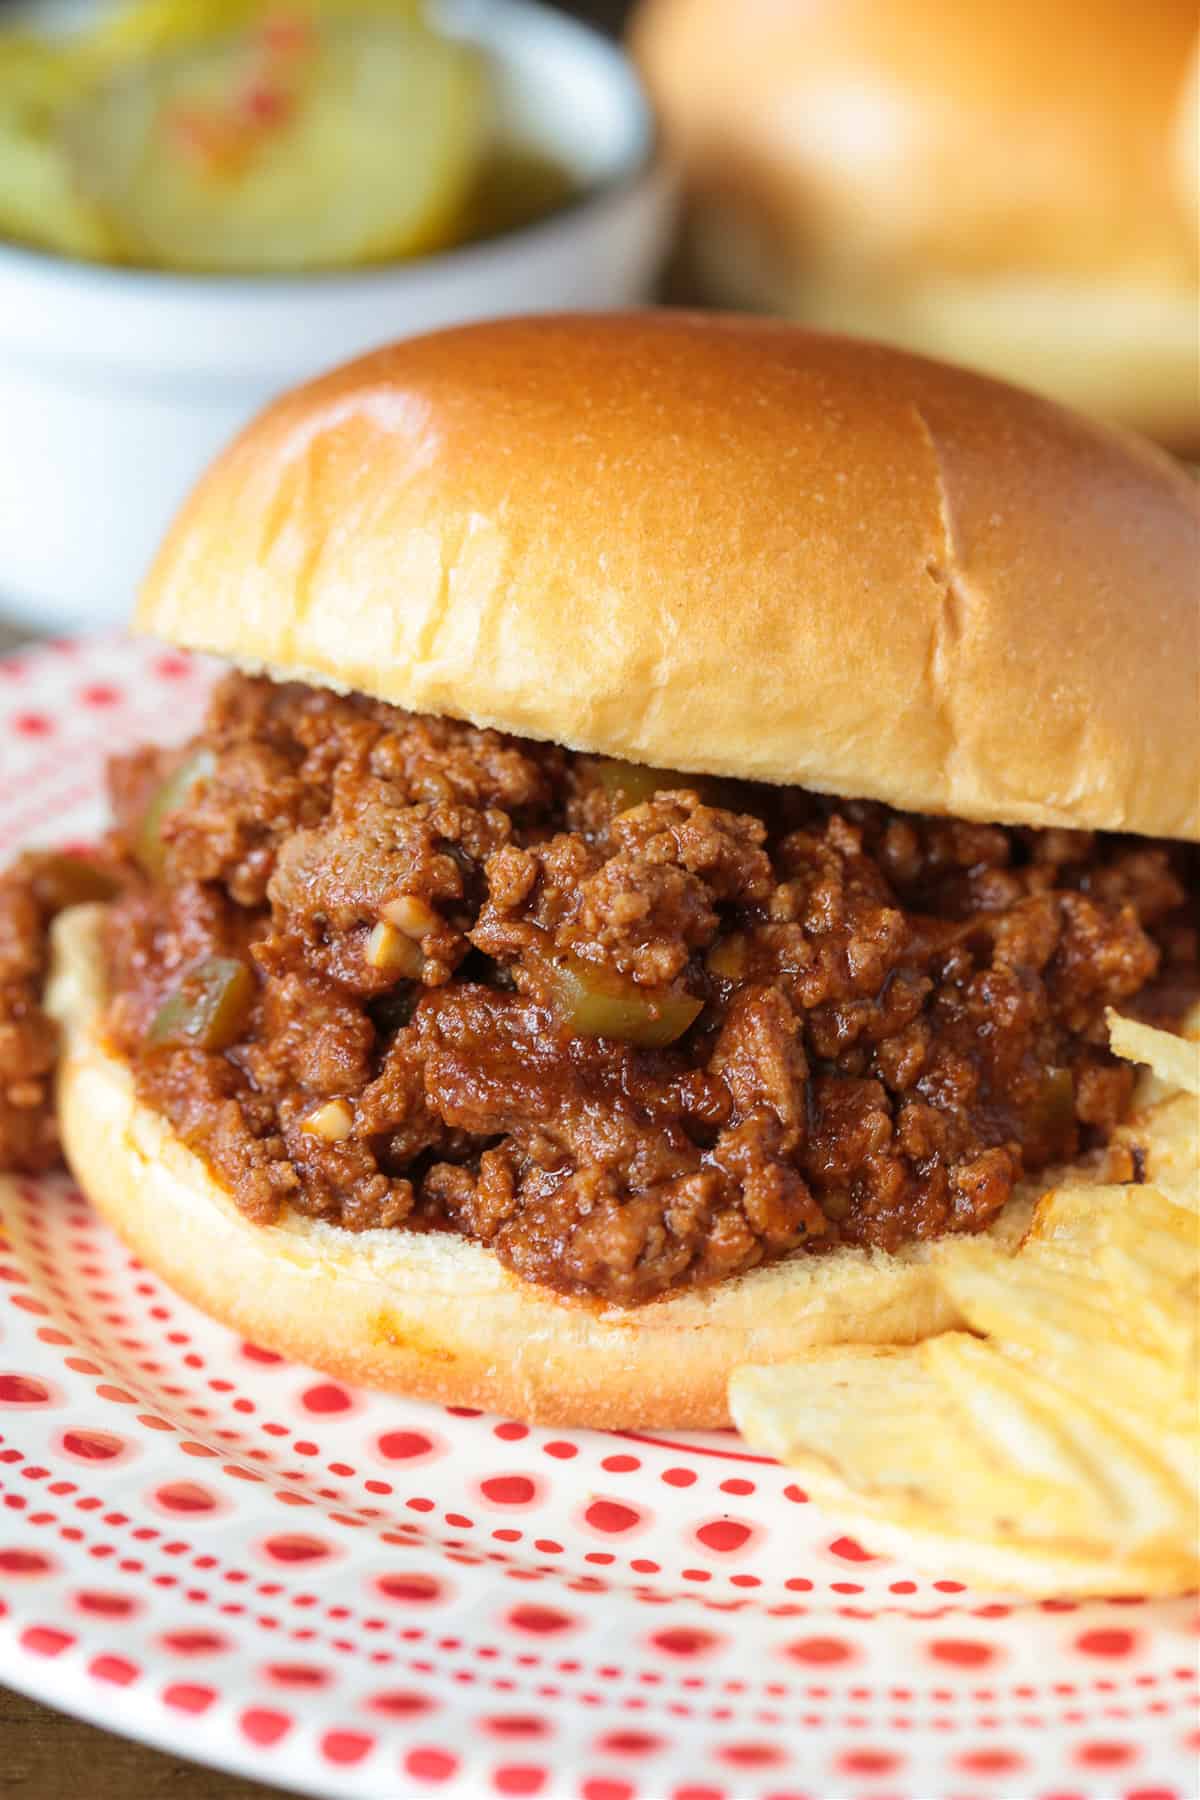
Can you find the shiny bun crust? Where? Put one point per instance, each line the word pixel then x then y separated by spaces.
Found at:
pixel 437 1316
pixel 724 546
pixel 1007 183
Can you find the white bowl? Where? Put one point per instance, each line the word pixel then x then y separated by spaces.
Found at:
pixel 118 385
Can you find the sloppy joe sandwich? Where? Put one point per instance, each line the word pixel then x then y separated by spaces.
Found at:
pixel 685 794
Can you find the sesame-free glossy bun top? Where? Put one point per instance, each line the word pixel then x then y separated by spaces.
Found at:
pixel 724 546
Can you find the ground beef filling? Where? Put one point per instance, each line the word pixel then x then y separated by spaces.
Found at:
pixel 32 891
pixel 28 1042
pixel 633 1030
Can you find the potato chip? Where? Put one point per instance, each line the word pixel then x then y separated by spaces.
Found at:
pixel 1165 1140
pixel 1175 1060
pixel 1055 1445
pixel 954 1442
pixel 1112 1265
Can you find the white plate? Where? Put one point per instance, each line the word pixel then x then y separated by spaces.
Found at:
pixel 216 1551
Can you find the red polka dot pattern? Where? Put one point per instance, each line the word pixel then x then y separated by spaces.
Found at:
pixel 293 1547
pixel 413 1588
pixel 353 1594
pixel 326 1397
pixel 614 1517
pixel 405 1446
pixel 94 1446
pixel 508 1491
pixel 188 1498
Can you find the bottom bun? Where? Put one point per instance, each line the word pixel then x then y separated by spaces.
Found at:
pixel 437 1316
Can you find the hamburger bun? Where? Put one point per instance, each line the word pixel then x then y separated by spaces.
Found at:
pixel 716 545
pixel 724 546
pixel 1008 184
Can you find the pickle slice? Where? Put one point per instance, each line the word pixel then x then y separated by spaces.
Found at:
pixel 144 28
pixel 39 75
pixel 209 1009
pixel 358 145
pixel 168 797
pixel 630 784
pixel 594 1002
pixel 517 186
pixel 40 200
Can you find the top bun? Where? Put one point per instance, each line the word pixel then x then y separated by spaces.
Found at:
pixel 1002 181
pixel 721 546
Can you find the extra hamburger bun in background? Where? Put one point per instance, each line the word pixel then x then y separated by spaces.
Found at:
pixel 716 545
pixel 1010 184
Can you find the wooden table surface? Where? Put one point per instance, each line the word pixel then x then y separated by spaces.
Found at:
pixel 45 1755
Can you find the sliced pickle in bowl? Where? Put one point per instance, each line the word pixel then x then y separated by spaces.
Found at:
pixel 356 144
pixel 144 28
pixel 148 27
pixel 41 202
